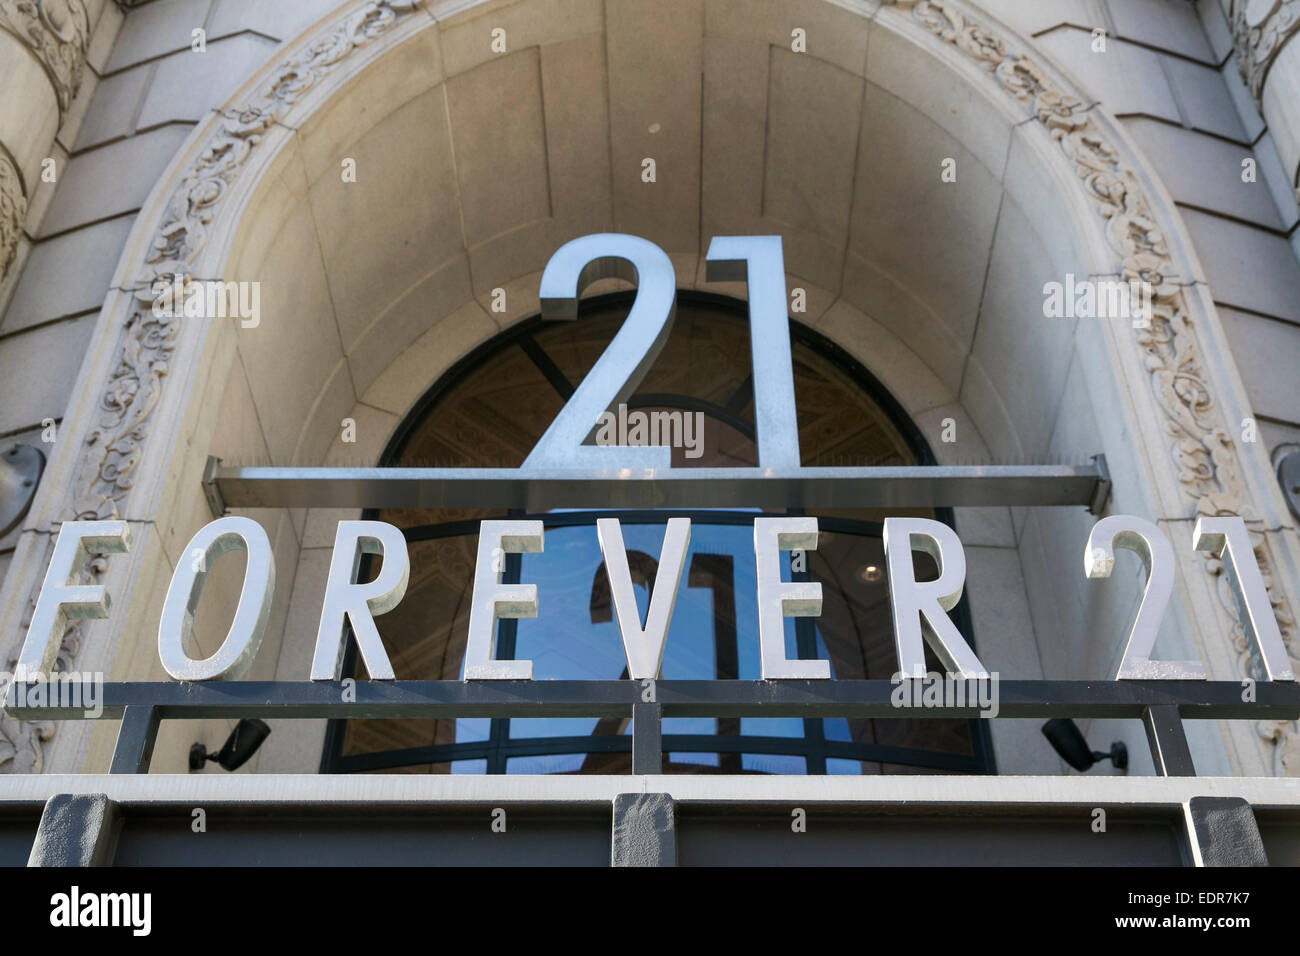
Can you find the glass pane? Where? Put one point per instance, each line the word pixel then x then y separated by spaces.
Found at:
pixel 492 410
pixel 773 763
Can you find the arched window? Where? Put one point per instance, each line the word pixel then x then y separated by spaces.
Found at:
pixel 490 409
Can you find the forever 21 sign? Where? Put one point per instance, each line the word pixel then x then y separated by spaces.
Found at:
pixel 919 608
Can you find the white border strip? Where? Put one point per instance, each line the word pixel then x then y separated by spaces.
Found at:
pixel 969 791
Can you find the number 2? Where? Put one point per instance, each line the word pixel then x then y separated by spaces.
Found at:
pixel 1150 544
pixel 757 260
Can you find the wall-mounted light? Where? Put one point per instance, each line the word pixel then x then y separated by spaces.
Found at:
pixel 1068 741
pixel 1286 459
pixel 20 470
pixel 239 746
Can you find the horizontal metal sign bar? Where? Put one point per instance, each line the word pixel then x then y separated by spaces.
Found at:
pixel 919 486
pixel 677 698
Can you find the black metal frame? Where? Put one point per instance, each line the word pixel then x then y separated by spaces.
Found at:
pixel 812 746
pixel 1161 705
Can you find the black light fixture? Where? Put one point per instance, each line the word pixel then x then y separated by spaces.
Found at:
pixel 1067 740
pixel 239 746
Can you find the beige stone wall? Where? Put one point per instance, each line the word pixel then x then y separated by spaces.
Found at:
pixel 1171 74
pixel 936 290
pixel 141 90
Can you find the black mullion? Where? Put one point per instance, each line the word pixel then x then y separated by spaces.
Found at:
pixel 722 744
pixel 546 365
pixel 847 750
pixel 805 633
pixel 688 404
pixel 720 571
pixel 805 630
pixel 507 632
pixel 741 396
pixel 522 334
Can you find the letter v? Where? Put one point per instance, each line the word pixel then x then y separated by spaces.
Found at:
pixel 644 647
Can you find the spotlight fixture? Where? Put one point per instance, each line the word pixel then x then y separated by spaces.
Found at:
pixel 239 746
pixel 1067 740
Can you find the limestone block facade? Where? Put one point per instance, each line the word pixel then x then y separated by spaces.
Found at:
pixel 1147 140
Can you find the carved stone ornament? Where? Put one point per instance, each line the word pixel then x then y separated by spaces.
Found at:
pixel 13 212
pixel 58 32
pixel 115 446
pixel 1260 28
pixel 1201 447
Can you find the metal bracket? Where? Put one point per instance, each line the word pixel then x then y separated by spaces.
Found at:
pixel 76 830
pixel 1223 831
pixel 913 486
pixel 1101 493
pixel 644 831
pixel 20 470
pixel 211 491
pixel 1162 705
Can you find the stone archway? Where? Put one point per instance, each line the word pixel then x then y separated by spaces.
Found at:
pixel 909 299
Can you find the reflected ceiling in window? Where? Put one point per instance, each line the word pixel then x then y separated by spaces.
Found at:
pixel 489 411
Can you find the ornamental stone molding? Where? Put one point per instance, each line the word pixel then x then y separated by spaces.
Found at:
pixel 1260 28
pixel 1197 444
pixel 58 34
pixel 1197 436
pixel 13 212
pixel 115 445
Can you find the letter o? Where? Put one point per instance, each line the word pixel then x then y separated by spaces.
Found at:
pixel 235 655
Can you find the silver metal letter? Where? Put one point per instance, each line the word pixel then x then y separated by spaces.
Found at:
pixel 358 603
pixel 644 647
pixel 624 362
pixel 1255 610
pixel 779 599
pixel 920 609
pixel 63 597
pixel 235 655
pixel 493 600
pixel 760 262
pixel 1149 543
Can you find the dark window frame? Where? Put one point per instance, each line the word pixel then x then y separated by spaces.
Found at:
pixel 500 747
